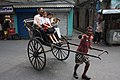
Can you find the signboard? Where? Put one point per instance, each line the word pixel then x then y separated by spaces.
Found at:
pixel 6 9
pixel 116 36
pixel 113 37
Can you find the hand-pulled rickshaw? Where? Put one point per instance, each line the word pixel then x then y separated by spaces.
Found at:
pixel 37 53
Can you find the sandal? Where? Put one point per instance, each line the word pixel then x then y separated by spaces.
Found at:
pixel 75 76
pixel 85 77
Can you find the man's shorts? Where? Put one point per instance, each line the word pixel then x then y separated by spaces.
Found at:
pixel 79 59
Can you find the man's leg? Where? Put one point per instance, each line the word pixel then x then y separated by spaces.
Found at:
pixel 99 36
pixel 75 71
pixel 75 68
pixel 51 38
pixel 55 38
pixel 95 37
pixel 77 61
pixel 84 76
pixel 44 35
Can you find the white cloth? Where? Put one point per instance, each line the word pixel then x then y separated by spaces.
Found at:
pixel 0 27
pixel 99 27
pixel 58 32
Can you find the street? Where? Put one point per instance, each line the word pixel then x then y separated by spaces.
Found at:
pixel 15 65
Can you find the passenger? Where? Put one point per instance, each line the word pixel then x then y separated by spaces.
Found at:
pixel 48 28
pixel 54 21
pixel 38 17
pixel 37 22
pixel 50 16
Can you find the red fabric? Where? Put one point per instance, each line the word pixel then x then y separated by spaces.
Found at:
pixel 45 27
pixel 11 31
pixel 84 44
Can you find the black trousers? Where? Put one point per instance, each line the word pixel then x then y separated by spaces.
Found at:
pixel 1 35
pixel 41 33
pixel 97 37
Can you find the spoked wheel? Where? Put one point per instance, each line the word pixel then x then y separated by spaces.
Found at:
pixel 36 54
pixel 61 54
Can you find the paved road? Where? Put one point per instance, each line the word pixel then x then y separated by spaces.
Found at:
pixel 14 64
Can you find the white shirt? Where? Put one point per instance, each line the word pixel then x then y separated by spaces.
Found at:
pixel 37 19
pixel 52 20
pixel 99 28
pixel 45 21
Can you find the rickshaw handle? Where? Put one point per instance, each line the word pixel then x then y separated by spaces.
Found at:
pixel 103 52
pixel 76 52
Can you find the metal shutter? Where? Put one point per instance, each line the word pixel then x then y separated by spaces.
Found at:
pixel 63 24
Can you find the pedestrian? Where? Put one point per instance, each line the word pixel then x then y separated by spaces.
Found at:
pixel 83 47
pixel 6 25
pixel 1 31
pixel 98 32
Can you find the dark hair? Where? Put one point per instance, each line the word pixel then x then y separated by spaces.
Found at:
pixel 80 36
pixel 89 29
pixel 39 8
pixel 50 13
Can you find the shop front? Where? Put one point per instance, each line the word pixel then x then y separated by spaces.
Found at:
pixel 6 20
pixel 111 20
pixel 21 14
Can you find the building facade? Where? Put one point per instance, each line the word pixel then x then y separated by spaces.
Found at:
pixel 86 12
pixel 62 10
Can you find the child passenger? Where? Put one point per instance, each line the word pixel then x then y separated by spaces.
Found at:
pixel 85 44
pixel 54 22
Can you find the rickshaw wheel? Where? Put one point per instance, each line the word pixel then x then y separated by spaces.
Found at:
pixel 36 54
pixel 61 54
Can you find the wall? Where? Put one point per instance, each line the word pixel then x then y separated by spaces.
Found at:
pixel 85 15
